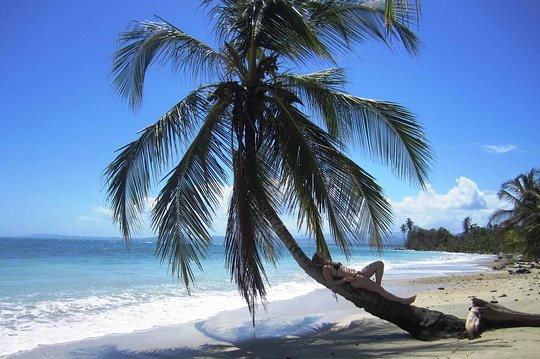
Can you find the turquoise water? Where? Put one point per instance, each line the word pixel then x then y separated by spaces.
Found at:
pixel 54 290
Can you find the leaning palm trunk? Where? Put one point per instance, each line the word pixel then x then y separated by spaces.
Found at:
pixel 421 323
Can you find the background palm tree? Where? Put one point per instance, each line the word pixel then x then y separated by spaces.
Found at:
pixel 403 229
pixel 522 221
pixel 467 223
pixel 280 135
pixel 409 224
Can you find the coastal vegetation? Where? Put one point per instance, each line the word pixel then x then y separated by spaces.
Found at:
pixel 521 223
pixel 513 230
pixel 475 239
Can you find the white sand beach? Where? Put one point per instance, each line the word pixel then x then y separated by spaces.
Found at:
pixel 318 326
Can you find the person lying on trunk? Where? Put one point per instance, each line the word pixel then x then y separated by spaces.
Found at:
pixel 337 274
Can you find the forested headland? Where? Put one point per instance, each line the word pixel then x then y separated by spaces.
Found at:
pixel 476 239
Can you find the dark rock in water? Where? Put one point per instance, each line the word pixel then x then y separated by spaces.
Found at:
pixel 493 291
pixel 502 295
pixel 510 271
pixel 440 288
pixel 493 301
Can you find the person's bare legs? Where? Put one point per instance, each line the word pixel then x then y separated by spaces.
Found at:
pixel 376 268
pixel 367 284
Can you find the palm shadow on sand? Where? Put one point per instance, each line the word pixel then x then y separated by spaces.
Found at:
pixel 366 338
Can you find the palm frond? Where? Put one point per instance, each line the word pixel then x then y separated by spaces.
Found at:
pixel 501 216
pixel 185 206
pixel 276 25
pixel 340 24
pixel 249 236
pixel 383 130
pixel 303 181
pixel 129 176
pixel 510 194
pixel 311 89
pixel 358 206
pixel 364 204
pixel 390 133
pixel 401 11
pixel 149 42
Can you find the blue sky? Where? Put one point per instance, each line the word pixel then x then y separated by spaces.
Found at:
pixel 475 88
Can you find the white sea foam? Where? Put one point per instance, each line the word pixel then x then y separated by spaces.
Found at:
pixel 27 326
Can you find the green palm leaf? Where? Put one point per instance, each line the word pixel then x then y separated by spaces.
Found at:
pixel 249 236
pixel 302 179
pixel 341 24
pixel 185 206
pixel 157 42
pixel 383 130
pixel 130 175
pixel 357 207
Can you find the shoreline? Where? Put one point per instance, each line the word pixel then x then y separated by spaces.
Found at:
pixel 315 325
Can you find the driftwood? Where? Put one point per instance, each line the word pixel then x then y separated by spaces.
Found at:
pixel 484 316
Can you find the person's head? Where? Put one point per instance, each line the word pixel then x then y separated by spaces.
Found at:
pixel 319 259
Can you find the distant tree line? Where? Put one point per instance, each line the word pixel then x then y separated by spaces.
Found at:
pixel 515 230
pixel 474 239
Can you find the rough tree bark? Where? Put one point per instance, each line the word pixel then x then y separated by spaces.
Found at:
pixel 421 323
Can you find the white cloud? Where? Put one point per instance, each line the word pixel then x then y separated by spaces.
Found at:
pixel 100 221
pixel 430 209
pixel 498 149
pixel 99 216
pixel 104 212
pixel 85 219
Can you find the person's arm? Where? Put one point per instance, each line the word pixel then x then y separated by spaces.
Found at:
pixel 327 274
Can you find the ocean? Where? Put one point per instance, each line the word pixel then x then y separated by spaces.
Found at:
pixel 61 290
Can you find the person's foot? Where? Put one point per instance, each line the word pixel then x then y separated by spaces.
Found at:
pixel 409 301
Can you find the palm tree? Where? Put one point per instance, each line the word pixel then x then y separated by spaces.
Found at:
pixel 403 229
pixel 281 136
pixel 409 224
pixel 467 224
pixel 522 221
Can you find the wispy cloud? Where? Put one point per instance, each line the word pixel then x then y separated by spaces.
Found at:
pixel 99 215
pixel 498 149
pixel 100 220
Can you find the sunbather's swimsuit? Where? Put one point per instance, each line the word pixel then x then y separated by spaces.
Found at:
pixel 338 265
